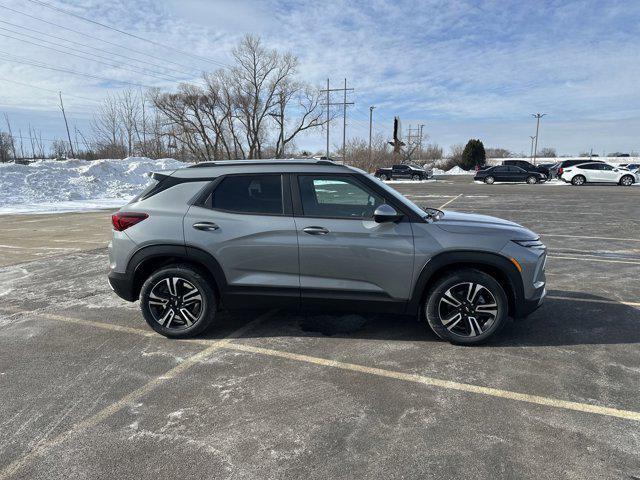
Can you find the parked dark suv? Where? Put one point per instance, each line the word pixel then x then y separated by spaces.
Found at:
pixel 402 171
pixel 528 166
pixel 313 234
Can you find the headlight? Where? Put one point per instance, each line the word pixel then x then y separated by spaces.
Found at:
pixel 536 243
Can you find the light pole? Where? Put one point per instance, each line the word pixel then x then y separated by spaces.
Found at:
pixel 537 116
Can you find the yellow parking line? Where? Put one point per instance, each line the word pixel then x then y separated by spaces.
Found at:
pixel 595 300
pixel 409 377
pixel 447 384
pixel 590 238
pixel 447 203
pixel 592 259
pixel 127 400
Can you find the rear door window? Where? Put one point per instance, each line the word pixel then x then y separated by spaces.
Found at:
pixel 249 194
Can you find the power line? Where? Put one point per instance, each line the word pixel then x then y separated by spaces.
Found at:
pixel 97 38
pixel 139 70
pixel 24 61
pixel 108 64
pixel 66 12
pixel 109 52
pixel 48 90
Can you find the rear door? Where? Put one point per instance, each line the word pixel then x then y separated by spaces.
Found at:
pixel 500 174
pixel 246 224
pixel 344 254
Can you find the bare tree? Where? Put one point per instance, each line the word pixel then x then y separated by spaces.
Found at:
pixel 107 129
pixel 128 108
pixel 6 147
pixel 498 153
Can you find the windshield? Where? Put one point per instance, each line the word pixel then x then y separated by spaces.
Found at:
pixel 398 196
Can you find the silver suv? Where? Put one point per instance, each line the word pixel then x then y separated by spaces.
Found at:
pixel 316 235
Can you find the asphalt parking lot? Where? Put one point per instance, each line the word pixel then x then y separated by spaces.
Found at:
pixel 88 391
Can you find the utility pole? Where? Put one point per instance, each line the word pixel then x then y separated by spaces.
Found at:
pixel 420 142
pixel 370 128
pixel 328 119
pixel 344 104
pixel 280 120
pixel 64 115
pixel 532 137
pixel 537 116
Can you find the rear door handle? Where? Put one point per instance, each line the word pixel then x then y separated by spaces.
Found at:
pixel 206 226
pixel 315 230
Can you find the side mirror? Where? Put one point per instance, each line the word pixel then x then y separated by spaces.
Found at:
pixel 386 213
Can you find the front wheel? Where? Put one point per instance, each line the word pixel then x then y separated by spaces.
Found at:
pixel 532 180
pixel 578 180
pixel 626 181
pixel 178 302
pixel 384 177
pixel 416 177
pixel 466 307
pixel 489 180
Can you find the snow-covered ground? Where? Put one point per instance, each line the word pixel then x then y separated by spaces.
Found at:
pixel 75 185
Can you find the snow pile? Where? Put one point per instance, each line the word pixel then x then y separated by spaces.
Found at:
pixel 74 185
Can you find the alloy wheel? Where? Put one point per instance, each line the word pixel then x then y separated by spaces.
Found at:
pixel 175 303
pixel 468 309
pixel 626 181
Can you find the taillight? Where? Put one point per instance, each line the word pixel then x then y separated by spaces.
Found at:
pixel 123 220
pixel 560 170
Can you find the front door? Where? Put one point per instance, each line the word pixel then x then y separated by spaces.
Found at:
pixel 344 253
pixel 247 226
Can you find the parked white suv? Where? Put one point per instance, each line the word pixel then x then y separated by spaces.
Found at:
pixel 598 172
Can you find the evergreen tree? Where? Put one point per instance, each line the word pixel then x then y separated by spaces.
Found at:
pixel 473 155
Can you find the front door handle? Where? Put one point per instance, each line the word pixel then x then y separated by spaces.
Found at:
pixel 315 230
pixel 205 226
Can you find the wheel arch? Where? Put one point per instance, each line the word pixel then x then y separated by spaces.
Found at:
pixel 150 258
pixel 498 266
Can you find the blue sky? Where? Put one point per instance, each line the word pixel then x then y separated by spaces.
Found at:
pixel 465 69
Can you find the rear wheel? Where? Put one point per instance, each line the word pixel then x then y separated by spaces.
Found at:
pixel 489 180
pixel 466 307
pixel 532 180
pixel 578 180
pixel 626 181
pixel 178 302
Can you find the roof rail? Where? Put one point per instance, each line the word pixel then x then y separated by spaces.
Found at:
pixel 226 163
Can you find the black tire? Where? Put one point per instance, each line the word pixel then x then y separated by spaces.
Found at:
pixel 471 320
pixel 532 180
pixel 627 181
pixel 179 325
pixel 416 177
pixel 385 177
pixel 489 180
pixel 578 180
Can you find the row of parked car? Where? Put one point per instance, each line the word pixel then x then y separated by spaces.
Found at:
pixel 574 171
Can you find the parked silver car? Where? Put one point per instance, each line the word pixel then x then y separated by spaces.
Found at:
pixel 316 235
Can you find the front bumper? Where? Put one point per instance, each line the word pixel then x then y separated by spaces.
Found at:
pixel 527 307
